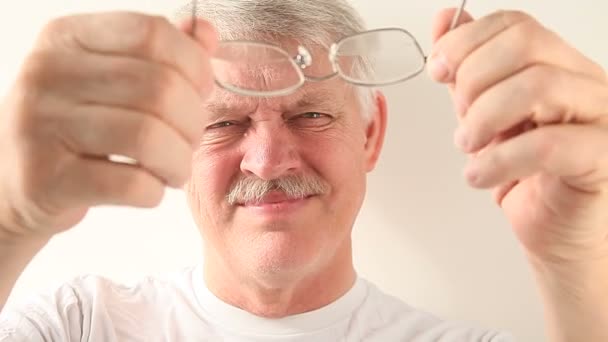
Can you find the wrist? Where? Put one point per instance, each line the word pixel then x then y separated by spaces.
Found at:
pixel 12 235
pixel 16 230
pixel 575 279
pixel 574 298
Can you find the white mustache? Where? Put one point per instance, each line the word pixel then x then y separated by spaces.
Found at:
pixel 253 189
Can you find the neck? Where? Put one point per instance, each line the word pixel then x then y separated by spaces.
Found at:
pixel 281 296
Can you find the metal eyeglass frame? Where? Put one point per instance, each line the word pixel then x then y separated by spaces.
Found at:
pixel 304 59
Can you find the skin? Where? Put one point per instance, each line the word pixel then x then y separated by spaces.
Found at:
pixel 85 91
pixel 534 125
pixel 274 261
pixel 533 116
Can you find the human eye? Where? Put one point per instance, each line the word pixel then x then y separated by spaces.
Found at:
pixel 313 115
pixel 222 124
pixel 311 119
pixel 224 131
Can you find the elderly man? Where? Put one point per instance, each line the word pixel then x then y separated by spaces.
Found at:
pixel 274 161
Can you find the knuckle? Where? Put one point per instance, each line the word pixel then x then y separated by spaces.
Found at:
pixel 149 83
pixel 30 108
pixel 144 134
pixel 481 128
pixel 149 29
pixel 151 136
pixel 35 70
pixel 126 73
pixel 545 145
pixel 495 157
pixel 537 80
pixel 467 87
pixel 207 83
pixel 510 17
pixel 541 84
pixel 162 85
pixel 60 32
pixel 520 35
pixel 525 36
pixel 55 26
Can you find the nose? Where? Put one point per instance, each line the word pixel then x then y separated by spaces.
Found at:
pixel 270 152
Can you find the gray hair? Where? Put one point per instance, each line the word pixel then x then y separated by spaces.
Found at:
pixel 310 22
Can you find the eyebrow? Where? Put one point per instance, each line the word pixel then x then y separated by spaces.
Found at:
pixel 219 110
pixel 318 98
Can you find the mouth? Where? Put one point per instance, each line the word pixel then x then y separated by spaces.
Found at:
pixel 276 202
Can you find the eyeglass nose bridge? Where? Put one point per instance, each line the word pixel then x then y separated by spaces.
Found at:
pixel 304 60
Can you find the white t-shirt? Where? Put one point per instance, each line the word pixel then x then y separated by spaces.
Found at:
pixel 179 307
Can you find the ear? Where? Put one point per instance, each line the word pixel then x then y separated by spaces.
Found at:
pixel 375 132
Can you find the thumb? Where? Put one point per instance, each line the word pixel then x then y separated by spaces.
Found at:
pixel 205 34
pixel 443 21
pixel 441 26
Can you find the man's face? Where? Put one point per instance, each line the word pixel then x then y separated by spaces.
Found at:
pixel 277 182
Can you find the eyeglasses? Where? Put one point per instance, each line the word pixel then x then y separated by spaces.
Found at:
pixel 373 58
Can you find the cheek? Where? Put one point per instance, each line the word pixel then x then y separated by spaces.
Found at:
pixel 337 152
pixel 340 160
pixel 213 172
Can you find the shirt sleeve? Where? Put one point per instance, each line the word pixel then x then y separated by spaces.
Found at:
pixel 54 316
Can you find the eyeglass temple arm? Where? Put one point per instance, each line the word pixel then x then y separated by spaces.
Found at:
pixel 193 4
pixel 456 17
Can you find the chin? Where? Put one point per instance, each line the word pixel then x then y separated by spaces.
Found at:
pixel 280 253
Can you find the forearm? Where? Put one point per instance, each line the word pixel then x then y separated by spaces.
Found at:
pixel 575 300
pixel 14 257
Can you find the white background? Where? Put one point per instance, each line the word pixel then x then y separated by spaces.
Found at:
pixel 422 235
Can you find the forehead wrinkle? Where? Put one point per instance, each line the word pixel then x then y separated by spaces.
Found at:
pixel 225 104
pixel 317 97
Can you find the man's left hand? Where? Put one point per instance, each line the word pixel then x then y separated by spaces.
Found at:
pixel 533 116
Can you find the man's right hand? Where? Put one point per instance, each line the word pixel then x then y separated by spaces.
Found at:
pixel 93 86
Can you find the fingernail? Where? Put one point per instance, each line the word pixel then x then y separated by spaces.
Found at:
pixel 438 67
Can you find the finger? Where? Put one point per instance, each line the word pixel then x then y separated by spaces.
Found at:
pixel 520 46
pixel 125 82
pixel 205 34
pixel 541 94
pixel 443 21
pixel 454 47
pixel 99 131
pixel 91 182
pixel 575 153
pixel 502 191
pixel 139 36
pixel 441 25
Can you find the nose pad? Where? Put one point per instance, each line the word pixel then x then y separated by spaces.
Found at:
pixel 304 58
pixel 314 72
